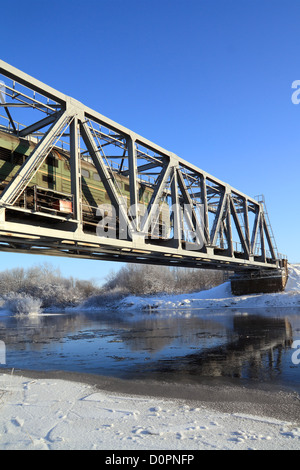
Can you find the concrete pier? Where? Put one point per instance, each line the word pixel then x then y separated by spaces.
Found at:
pixel 260 282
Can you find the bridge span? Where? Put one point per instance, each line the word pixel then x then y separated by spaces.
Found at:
pixel 75 183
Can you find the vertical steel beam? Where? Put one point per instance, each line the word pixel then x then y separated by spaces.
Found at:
pixel 229 229
pixel 75 173
pixel 262 239
pixel 133 186
pixel 205 207
pixel 175 210
pixel 246 223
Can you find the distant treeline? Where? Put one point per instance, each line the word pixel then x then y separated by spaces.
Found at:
pixel 44 282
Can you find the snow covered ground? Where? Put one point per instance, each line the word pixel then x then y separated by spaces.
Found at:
pixel 57 415
pixel 220 296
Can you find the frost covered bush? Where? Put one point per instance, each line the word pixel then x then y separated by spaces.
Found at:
pixel 45 283
pixel 21 304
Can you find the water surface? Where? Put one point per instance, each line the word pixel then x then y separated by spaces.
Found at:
pixel 245 346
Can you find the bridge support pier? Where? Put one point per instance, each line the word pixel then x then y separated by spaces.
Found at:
pixel 260 282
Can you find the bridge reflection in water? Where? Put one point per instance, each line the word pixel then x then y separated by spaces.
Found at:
pixel 253 350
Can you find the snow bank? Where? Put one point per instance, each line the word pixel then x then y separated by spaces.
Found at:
pixel 220 297
pixel 61 415
pixel 293 284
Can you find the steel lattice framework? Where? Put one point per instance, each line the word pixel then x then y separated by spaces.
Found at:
pixel 206 222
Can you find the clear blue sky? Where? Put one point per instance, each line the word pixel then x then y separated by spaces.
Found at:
pixel 209 80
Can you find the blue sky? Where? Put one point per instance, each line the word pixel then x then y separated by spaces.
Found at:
pixel 209 80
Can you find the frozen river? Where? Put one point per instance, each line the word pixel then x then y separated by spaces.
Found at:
pixel 245 347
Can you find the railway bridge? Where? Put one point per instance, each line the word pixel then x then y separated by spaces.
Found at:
pixel 75 183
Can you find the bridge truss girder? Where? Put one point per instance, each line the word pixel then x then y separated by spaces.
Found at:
pixel 192 218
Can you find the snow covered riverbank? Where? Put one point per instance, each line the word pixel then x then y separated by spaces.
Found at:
pixel 217 297
pixel 52 414
pixel 221 296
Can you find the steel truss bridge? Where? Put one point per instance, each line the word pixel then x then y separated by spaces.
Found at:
pixel 205 223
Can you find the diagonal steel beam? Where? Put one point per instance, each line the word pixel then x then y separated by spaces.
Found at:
pixel 218 218
pixel 141 168
pixel 157 194
pixel 39 125
pixel 194 222
pixel 119 204
pixel 269 240
pixel 29 168
pixel 239 229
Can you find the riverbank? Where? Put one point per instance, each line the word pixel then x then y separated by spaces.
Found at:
pixel 45 412
pixel 214 298
pixel 220 297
